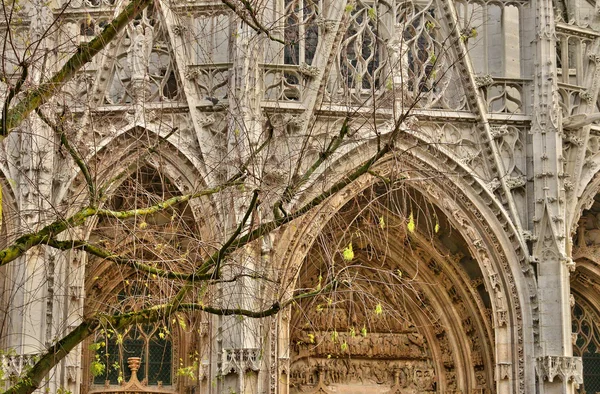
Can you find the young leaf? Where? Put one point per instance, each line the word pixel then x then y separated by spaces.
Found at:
pixel 411 223
pixel 334 336
pixel 344 346
pixel 348 253
pixel 372 12
pixel 97 368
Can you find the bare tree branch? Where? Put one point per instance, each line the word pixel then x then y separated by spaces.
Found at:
pixel 22 244
pixel 58 130
pixel 253 22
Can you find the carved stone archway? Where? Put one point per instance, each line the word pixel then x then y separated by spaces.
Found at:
pixel 99 281
pixel 585 285
pixel 415 316
pixel 464 203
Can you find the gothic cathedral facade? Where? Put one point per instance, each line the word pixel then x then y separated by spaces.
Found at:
pixel 473 239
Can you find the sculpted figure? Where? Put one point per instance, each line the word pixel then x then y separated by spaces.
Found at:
pixel 592 237
pixel 399 56
pixel 403 377
pixel 138 54
pixel 424 378
pixel 380 374
pixel 480 377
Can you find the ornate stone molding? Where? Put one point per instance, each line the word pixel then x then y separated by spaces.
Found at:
pixel 484 80
pixel 494 184
pixel 207 120
pixel 308 70
pixel 515 182
pixel 191 73
pixel 180 30
pixel 15 365
pixel 499 131
pixel 239 360
pixel 587 96
pixel 503 371
pixel 326 24
pixel 565 368
pixel 133 385
pixel 594 57
pixel 296 121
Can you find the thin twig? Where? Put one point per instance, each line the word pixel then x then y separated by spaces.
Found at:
pixel 254 23
pixel 58 130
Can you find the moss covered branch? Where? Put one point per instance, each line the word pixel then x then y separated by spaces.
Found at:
pixel 98 251
pixel 48 233
pixel 171 202
pixel 25 242
pixel 34 377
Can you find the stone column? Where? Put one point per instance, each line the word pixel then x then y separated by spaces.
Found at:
pixel 557 370
pixel 239 339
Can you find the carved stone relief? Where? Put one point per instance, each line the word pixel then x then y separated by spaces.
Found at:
pixel 377 345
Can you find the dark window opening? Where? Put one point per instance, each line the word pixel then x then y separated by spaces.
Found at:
pixel 87 28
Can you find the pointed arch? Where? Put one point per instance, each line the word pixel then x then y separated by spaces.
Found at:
pixel 132 143
pixel 474 213
pixel 172 240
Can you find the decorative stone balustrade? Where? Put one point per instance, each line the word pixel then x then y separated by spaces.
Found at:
pixel 504 95
pixel 565 368
pixel 15 365
pixel 239 360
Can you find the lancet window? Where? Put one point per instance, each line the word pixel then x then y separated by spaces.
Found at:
pixel 150 342
pixel 168 240
pixel 301 31
pixel 587 345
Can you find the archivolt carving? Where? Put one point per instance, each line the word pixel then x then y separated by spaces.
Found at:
pixel 406 343
pixel 589 230
pixel 500 261
pixel 376 345
pixel 400 375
